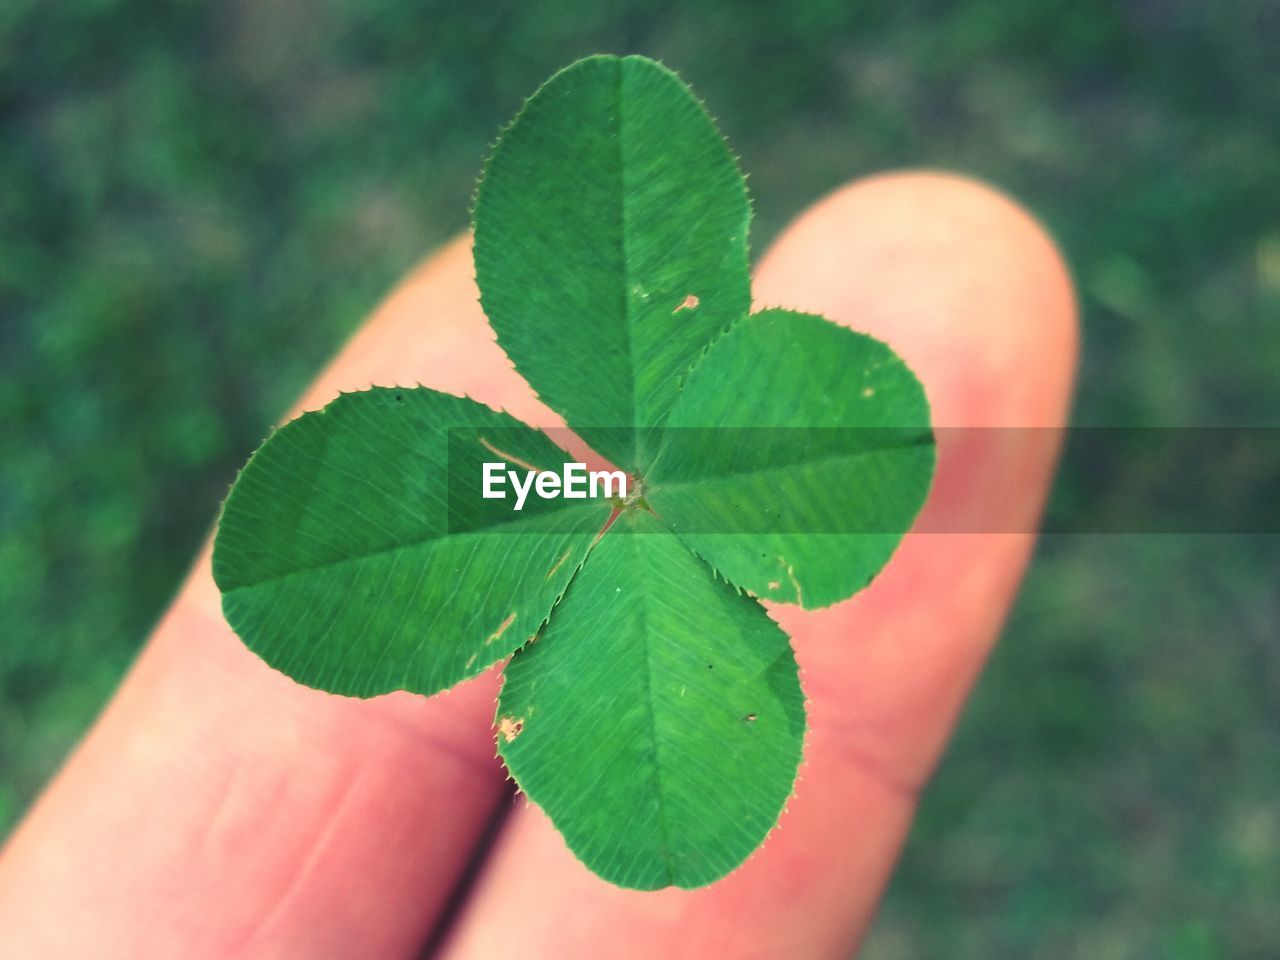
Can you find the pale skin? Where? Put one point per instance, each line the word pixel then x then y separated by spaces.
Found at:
pixel 216 809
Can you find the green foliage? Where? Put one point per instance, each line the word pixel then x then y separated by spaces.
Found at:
pixel 656 715
pixel 611 240
pixel 658 718
pixel 340 563
pixel 792 505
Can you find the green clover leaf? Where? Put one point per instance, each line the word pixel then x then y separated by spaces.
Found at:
pixel 650 706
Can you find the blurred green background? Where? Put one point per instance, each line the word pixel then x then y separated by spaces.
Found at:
pixel 199 201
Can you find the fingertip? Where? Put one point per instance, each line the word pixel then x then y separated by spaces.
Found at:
pixel 959 278
pixel 431 330
pixel 970 290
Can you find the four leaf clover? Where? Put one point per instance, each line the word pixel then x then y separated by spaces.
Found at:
pixel 651 707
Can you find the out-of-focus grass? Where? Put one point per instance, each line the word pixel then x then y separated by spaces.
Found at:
pixel 199 201
pixel 1110 791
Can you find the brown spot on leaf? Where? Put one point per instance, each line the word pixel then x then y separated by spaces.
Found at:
pixel 509 728
pixel 750 718
pixel 509 457
pixel 502 628
pixel 791 575
pixel 559 563
pixel 688 303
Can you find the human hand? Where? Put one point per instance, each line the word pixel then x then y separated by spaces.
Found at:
pixel 217 809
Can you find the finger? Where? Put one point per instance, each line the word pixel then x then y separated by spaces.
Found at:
pixel 968 289
pixel 218 809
